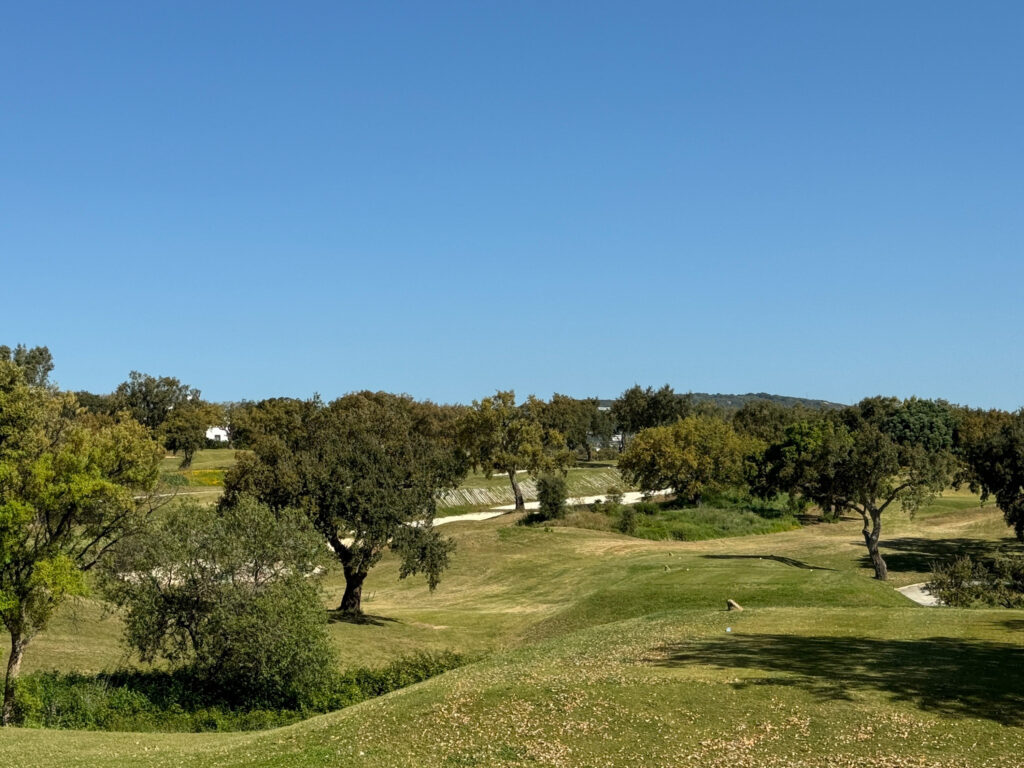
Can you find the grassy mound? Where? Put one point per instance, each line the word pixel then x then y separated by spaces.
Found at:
pixel 606 650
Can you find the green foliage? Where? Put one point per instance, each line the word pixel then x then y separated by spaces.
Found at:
pixel 996 462
pixel 721 515
pixel 71 487
pixel 150 400
pixel 864 459
pixel 35 363
pixel 362 468
pixel 637 409
pixel 966 583
pixel 250 422
pixel 180 701
pixel 627 521
pixel 694 456
pixel 767 420
pixel 230 595
pixel 551 493
pixel 647 508
pixel 578 421
pixel 500 436
pixel 184 429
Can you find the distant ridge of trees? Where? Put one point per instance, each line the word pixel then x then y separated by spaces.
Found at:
pixel 735 402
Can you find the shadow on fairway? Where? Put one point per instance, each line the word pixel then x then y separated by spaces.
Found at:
pixel 938 674
pixel 776 558
pixel 347 617
pixel 920 555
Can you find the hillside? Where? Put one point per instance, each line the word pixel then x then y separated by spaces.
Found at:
pixel 734 402
pixel 602 650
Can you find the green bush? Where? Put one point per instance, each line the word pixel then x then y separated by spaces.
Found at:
pixel 627 521
pixel 551 493
pixel 648 508
pixel 614 495
pixel 242 612
pixel 964 582
pixel 182 701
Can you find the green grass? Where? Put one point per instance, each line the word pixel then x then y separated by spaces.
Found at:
pixel 606 650
pixel 481 492
pixel 211 458
pixel 724 516
pixel 205 480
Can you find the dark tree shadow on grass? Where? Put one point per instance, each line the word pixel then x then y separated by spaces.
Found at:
pixel 944 675
pixel 777 558
pixel 920 555
pixel 347 617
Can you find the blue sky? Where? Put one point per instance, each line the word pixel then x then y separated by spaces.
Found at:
pixel 814 199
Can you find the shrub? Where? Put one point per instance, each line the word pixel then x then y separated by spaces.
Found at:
pixel 646 508
pixel 551 492
pixel 132 700
pixel 228 595
pixel 627 521
pixel 614 495
pixel 964 582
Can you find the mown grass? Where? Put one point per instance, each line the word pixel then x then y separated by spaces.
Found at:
pixel 608 650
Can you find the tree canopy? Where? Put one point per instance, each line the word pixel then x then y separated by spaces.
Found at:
pixel 500 436
pixel 69 488
pixel 693 456
pixel 35 363
pixel 864 459
pixel 997 468
pixel 184 429
pixel 638 408
pixel 150 400
pixel 367 470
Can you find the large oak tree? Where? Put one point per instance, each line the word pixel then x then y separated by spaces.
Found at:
pixel 864 460
pixel 367 469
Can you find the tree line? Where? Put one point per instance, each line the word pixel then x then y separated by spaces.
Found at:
pixel 363 473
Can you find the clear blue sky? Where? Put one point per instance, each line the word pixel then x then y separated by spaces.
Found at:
pixel 815 199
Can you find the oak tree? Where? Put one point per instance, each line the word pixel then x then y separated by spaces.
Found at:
pixel 367 470
pixel 501 436
pixel 70 488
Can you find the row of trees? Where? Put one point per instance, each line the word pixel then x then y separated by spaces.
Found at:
pixel 175 412
pixel 864 459
pixel 363 473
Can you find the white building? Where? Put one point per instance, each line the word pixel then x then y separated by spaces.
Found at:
pixel 217 434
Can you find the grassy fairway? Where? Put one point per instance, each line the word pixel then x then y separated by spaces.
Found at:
pixel 616 653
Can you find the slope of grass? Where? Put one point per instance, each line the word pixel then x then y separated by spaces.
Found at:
pixel 803 687
pixel 615 651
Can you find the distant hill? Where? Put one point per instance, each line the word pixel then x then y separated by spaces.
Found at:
pixel 734 402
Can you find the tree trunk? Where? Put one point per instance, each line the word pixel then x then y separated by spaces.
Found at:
pixel 352 600
pixel 520 503
pixel 13 666
pixel 589 450
pixel 871 535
